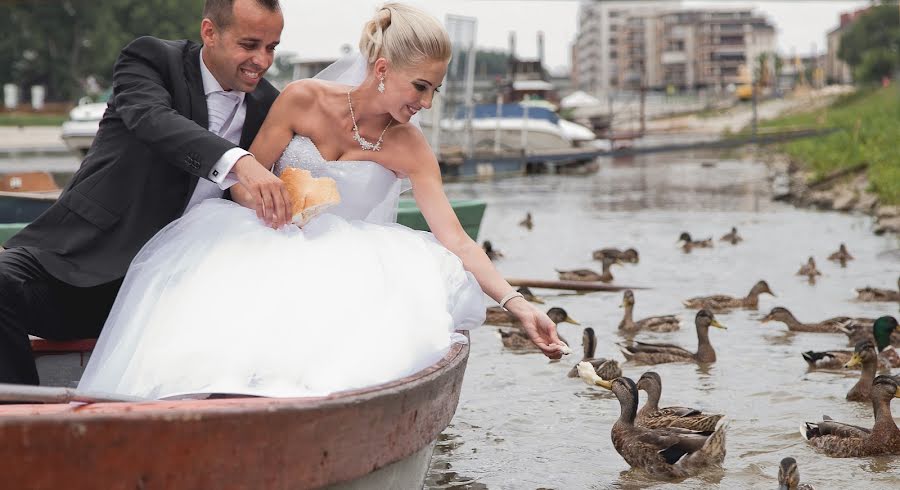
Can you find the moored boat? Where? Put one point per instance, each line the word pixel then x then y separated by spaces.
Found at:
pixel 469 213
pixel 377 437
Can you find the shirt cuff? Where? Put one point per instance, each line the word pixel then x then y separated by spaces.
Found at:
pixel 221 172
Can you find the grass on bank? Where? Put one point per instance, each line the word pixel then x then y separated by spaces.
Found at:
pixel 868 123
pixel 31 119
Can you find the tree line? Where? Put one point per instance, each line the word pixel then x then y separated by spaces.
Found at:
pixel 871 46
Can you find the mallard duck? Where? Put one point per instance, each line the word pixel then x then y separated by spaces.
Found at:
pixel 789 476
pixel 527 222
pixel 878 294
pixel 835 359
pixel 861 329
pixel 831 325
pixel 666 323
pixel 516 339
pixel 809 269
pixel 645 353
pixel 842 256
pixel 490 251
pixel 605 368
pixel 651 416
pixel 732 237
pixel 866 356
pixel 589 275
pixel 630 255
pixel 498 316
pixel 688 244
pixel 841 440
pixel 722 302
pixel 669 452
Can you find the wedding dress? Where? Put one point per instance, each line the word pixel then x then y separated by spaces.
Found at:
pixel 217 302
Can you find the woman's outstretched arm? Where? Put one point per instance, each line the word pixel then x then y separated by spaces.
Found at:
pixel 424 173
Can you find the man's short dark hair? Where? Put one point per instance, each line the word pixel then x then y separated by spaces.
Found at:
pixel 221 12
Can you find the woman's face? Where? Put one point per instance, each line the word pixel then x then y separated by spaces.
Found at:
pixel 409 90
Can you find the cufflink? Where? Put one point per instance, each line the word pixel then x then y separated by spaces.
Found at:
pixel 215 173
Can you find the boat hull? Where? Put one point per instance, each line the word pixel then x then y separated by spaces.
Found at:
pixel 469 213
pixel 356 439
pixel 24 207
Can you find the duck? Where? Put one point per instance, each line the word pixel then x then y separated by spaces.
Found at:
pixel 489 250
pixel 663 452
pixel 651 416
pixel 866 356
pixel 588 274
pixel 688 244
pixel 809 270
pixel 732 237
pixel 723 302
pixel 646 353
pixel 527 222
pixel 605 368
pixel 881 332
pixel 664 323
pixel 516 339
pixel 840 440
pixel 861 329
pixel 842 256
pixel 629 255
pixel 832 325
pixel 498 316
pixel 877 294
pixel 789 476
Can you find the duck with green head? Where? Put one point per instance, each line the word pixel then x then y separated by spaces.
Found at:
pixel 841 440
pixel 605 368
pixel 651 416
pixel 663 452
pixel 663 323
pixel 836 359
pixel 647 353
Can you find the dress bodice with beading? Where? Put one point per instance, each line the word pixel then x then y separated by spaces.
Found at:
pixel 369 191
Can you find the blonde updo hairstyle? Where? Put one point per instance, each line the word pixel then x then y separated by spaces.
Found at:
pixel 405 36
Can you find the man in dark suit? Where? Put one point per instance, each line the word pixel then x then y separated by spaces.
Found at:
pixel 174 133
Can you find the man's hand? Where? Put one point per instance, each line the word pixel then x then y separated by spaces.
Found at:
pixel 538 326
pixel 270 198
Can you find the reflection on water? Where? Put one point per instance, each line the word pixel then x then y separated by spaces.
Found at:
pixel 522 423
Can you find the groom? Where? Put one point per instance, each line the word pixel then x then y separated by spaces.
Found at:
pixel 174 134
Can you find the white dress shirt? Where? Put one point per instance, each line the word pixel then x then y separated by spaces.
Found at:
pixel 227 111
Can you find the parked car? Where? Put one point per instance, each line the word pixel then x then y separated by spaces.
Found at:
pixel 84 121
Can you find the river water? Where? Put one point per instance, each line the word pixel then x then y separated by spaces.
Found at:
pixel 522 424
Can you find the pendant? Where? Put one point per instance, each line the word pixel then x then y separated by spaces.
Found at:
pixel 366 144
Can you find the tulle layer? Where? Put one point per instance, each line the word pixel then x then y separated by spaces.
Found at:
pixel 219 303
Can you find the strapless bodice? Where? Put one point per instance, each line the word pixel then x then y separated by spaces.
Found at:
pixel 369 191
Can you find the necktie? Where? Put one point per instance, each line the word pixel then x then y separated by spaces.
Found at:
pixel 222 107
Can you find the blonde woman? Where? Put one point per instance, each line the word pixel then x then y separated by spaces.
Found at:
pixel 219 302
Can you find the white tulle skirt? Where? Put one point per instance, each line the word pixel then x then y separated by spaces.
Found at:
pixel 219 303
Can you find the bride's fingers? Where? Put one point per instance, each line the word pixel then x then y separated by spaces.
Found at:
pixel 288 205
pixel 264 206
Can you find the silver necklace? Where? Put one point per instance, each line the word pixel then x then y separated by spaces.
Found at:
pixel 364 143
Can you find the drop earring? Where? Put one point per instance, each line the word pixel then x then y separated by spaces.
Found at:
pixel 381 84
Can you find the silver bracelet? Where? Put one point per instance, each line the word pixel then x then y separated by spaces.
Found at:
pixel 509 296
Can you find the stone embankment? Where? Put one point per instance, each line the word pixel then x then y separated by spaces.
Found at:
pixel 846 191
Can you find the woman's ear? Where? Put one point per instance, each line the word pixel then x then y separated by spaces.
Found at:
pixel 380 67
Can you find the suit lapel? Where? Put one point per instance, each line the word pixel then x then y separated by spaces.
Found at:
pixel 199 111
pixel 253 120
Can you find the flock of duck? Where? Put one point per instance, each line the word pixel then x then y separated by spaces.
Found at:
pixel 682 441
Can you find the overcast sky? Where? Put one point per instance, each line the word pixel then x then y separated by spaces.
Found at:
pixel 318 28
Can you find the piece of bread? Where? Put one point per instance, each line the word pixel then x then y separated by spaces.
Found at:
pixel 310 196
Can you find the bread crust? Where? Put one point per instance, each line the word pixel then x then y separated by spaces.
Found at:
pixel 309 195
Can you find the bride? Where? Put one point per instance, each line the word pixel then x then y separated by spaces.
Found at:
pixel 217 302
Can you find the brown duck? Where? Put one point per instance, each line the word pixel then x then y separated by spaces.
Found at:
pixel 517 339
pixel 665 323
pixel 527 222
pixel 497 316
pixel 731 237
pixel 831 325
pixel 842 256
pixel 866 356
pixel 629 255
pixel 841 440
pixel 836 359
pixel 789 476
pixel 588 274
pixel 490 251
pixel 605 368
pixel 878 294
pixel 646 353
pixel 809 270
pixel 668 452
pixel 652 417
pixel 722 302
pixel 688 244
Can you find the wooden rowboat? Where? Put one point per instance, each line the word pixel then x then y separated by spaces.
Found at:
pixel 378 437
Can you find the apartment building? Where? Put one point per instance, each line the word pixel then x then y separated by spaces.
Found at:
pixel 836 71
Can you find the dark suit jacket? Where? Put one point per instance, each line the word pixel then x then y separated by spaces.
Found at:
pixel 151 148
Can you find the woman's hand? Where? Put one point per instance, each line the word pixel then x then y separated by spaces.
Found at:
pixel 538 326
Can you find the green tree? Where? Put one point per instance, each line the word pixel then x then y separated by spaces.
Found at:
pixel 872 44
pixel 60 44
